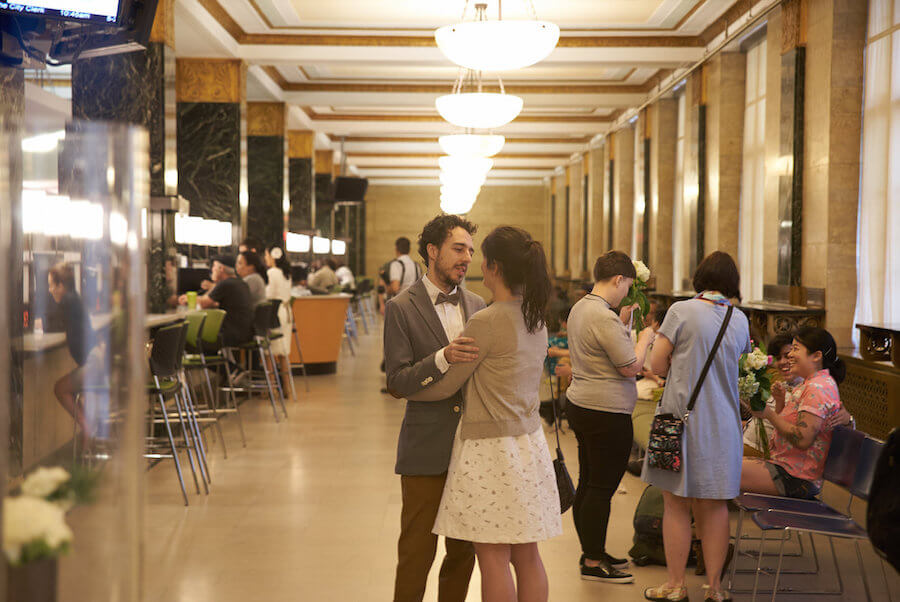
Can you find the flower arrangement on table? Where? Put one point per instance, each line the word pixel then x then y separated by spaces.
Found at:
pixel 637 295
pixel 755 389
pixel 34 522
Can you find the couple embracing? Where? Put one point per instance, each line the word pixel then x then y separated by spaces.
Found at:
pixel 472 456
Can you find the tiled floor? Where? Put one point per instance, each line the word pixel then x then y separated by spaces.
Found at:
pixel 309 510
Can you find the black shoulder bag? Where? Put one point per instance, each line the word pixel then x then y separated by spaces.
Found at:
pixel 563 480
pixel 667 432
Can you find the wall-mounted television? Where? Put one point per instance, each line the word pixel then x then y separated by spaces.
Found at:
pixel 350 190
pixel 93 11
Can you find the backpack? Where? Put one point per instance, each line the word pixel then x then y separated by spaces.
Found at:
pixel 883 512
pixel 386 276
pixel 648 538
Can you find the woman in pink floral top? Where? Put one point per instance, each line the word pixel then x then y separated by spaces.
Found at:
pixel 802 437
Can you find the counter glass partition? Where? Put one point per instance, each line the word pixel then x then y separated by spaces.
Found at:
pixel 76 328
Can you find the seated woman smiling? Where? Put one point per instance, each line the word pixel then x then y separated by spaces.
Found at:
pixel 803 428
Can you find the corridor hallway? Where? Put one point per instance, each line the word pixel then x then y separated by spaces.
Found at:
pixel 310 510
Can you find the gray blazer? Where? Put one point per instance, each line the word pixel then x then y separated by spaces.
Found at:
pixel 412 335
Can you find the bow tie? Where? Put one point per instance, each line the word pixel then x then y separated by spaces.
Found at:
pixel 444 298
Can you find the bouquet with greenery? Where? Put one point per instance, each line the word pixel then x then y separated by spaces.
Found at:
pixel 755 389
pixel 637 295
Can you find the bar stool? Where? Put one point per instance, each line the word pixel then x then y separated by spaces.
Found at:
pixel 205 352
pixel 350 330
pixel 165 385
pixel 262 321
pixel 275 333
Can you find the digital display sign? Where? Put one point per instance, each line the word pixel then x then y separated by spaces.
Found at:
pixel 94 11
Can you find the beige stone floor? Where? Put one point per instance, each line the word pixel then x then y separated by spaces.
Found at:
pixel 309 510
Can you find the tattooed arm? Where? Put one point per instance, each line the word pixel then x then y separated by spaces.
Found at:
pixel 800 435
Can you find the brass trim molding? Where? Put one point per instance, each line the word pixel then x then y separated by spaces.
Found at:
pixel 324 159
pixel 266 118
pixel 300 144
pixel 210 80
pixel 445 88
pixel 581 140
pixel 164 23
pixel 437 118
pixel 355 155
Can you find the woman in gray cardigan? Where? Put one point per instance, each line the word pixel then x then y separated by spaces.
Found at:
pixel 501 490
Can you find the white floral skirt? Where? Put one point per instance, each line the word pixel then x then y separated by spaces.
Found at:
pixel 500 490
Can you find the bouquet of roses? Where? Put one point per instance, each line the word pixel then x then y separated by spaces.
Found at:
pixel 755 389
pixel 636 295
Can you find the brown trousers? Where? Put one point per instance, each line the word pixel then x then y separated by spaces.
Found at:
pixel 417 545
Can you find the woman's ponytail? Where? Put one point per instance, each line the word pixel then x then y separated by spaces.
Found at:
pixel 819 339
pixel 523 267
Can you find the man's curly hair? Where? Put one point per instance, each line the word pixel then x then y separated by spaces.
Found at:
pixel 437 230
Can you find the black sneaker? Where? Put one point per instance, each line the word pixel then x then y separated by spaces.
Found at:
pixel 605 572
pixel 616 563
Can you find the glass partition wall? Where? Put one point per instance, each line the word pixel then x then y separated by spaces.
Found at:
pixel 74 244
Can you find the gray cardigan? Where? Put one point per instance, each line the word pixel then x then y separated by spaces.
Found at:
pixel 501 386
pixel 412 335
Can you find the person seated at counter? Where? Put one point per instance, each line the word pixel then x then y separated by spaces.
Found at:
pixel 250 267
pixel 324 279
pixel 231 294
pixel 82 342
pixel 345 277
pixel 299 280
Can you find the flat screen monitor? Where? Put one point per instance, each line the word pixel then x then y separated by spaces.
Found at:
pixel 350 190
pixel 93 11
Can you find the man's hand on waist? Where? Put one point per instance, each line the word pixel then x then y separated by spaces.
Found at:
pixel 461 350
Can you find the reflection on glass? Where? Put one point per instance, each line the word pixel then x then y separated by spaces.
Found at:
pixel 81 402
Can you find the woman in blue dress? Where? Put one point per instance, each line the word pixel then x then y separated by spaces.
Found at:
pixel 712 446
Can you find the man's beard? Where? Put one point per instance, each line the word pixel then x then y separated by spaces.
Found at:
pixel 445 276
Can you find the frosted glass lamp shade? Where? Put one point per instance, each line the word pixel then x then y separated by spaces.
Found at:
pixel 479 110
pixel 471 145
pixel 466 165
pixel 497 45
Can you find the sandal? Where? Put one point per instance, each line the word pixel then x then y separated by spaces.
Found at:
pixel 664 593
pixel 721 595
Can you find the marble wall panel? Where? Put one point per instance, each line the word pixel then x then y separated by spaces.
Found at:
pixel 664 119
pixel 209 158
pixel 596 221
pixel 265 184
pixel 790 231
pixel 773 148
pixel 301 192
pixel 324 203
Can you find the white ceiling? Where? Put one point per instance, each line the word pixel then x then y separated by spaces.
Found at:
pixel 368 70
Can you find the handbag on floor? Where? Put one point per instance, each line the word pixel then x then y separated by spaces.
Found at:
pixel 667 432
pixel 563 480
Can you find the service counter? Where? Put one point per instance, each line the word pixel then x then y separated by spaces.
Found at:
pixel 42 426
pixel 320 326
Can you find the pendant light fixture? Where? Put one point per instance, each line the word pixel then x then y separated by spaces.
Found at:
pixel 488 45
pixel 478 110
pixel 471 145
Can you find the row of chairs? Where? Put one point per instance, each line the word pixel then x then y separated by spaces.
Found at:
pixel 850 466
pixel 194 348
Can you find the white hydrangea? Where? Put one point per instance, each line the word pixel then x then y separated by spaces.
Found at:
pixel 44 481
pixel 643 272
pixel 30 519
pixel 747 386
pixel 757 360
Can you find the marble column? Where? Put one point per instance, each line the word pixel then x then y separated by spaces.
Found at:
pixel 790 180
pixel 661 196
pixel 567 220
pixel 640 226
pixel 324 167
pixel 301 181
pixel 212 175
pixel 12 315
pixel 559 225
pixel 726 73
pixel 596 219
pixel 609 192
pixel 831 162
pixel 623 199
pixel 356 255
pixel 139 88
pixel 695 168
pixel 266 192
pixel 585 214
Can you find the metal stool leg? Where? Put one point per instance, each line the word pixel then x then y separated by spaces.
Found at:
pixel 198 438
pixel 300 354
pixel 188 445
pixel 277 375
pixel 265 367
pixel 212 402
pixel 234 404
pixel 162 407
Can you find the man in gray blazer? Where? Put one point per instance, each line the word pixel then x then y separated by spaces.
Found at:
pixel 422 327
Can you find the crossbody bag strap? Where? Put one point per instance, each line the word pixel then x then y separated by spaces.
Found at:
pixel 709 361
pixel 556 418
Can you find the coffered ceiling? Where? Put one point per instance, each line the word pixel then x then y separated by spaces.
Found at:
pixel 365 74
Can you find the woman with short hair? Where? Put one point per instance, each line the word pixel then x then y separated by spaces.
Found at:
pixel 600 401
pixel 711 445
pixel 252 270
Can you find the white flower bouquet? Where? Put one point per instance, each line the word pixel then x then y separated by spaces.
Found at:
pixel 33 529
pixel 637 295
pixel 755 389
